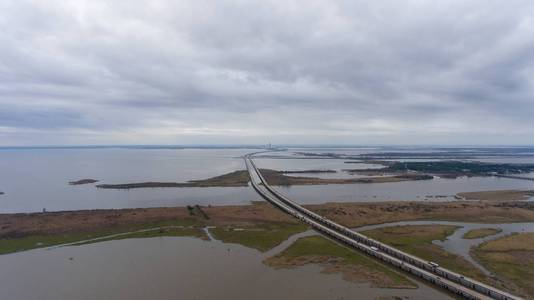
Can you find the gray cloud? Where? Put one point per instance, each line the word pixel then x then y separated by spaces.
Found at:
pixel 446 72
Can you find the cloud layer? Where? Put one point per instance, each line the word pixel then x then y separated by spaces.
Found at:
pixel 348 72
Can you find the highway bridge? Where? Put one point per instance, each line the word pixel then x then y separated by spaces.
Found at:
pixel 429 271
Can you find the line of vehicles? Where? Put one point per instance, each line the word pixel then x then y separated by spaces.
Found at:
pixel 430 271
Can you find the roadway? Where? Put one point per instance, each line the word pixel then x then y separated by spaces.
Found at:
pixel 431 272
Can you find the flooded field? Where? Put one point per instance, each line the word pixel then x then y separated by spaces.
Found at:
pixel 173 268
pixel 455 243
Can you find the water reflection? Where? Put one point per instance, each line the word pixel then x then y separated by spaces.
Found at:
pixel 172 268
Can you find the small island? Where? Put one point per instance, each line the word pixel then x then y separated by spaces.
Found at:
pixel 1 193
pixel 83 181
pixel 481 233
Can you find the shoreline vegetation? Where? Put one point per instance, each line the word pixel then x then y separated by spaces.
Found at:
pixel 443 154
pixel 352 265
pixel 446 169
pixel 417 240
pixel 510 258
pixel 480 233
pixel 391 172
pixel 241 178
pixel 261 236
pixel 368 213
pixel 25 231
pixel 498 195
pixel 307 171
pixel 24 225
pixel 232 179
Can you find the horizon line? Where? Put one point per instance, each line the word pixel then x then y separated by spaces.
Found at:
pixel 264 145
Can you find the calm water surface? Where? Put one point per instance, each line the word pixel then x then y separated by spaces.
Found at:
pixel 37 179
pixel 172 268
pixel 424 190
pixel 33 179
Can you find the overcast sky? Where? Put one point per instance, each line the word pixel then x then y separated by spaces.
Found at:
pixel 224 72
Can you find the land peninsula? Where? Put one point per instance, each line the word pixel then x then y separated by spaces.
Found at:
pixel 241 178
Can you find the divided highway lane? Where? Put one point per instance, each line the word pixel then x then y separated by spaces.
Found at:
pixel 454 282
